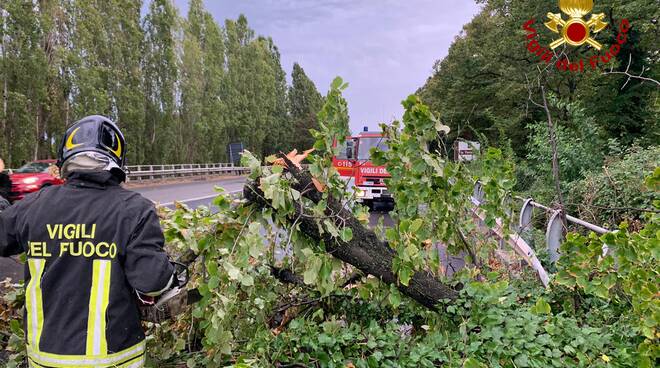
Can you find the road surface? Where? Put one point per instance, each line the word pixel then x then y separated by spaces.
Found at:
pixel 193 194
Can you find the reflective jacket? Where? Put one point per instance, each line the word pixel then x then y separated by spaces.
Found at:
pixel 90 245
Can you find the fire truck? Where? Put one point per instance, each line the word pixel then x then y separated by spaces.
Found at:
pixel 354 165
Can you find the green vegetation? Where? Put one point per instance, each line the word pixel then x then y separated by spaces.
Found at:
pixel 274 295
pixel 181 89
pixel 599 311
pixel 488 88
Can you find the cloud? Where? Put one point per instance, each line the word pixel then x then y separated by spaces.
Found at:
pixel 385 49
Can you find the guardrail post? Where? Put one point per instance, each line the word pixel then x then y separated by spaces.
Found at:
pixel 554 235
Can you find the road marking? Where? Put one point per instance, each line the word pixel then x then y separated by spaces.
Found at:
pixel 195 199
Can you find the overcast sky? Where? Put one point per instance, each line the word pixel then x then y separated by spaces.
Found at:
pixel 384 49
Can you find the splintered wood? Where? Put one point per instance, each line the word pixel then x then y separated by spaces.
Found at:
pixel 296 159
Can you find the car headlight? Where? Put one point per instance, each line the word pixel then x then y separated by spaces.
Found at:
pixel 31 180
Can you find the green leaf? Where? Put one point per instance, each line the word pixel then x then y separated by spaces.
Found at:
pixel 15 327
pixel 522 361
pixel 311 274
pixel 233 272
pixel 394 297
pixel 337 83
pixel 541 307
pixel 331 228
pixel 247 280
pixel 346 234
pixel 473 363
pixel 416 225
pixel 213 282
pixel 405 274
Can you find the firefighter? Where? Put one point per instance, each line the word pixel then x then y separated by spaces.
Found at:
pixel 90 245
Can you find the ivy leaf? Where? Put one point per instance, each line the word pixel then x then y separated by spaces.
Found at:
pixel 600 291
pixel 564 278
pixel 391 234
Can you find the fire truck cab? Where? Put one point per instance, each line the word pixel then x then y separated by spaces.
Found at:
pixel 354 164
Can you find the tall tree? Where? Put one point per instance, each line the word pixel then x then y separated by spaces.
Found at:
pixel 24 67
pixel 304 103
pixel 160 80
pixel 181 89
pixel 107 74
pixel 202 71
pixel 254 88
pixel 279 137
pixel 191 126
pixel 482 86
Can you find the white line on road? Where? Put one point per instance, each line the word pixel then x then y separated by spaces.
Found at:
pixel 196 199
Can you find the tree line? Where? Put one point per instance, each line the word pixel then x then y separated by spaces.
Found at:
pixel 490 88
pixel 180 88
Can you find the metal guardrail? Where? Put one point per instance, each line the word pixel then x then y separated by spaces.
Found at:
pixel 554 233
pixel 150 172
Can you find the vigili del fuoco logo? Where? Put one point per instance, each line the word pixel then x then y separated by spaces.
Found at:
pixel 576 31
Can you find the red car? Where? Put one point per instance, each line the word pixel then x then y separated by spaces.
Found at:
pixel 31 178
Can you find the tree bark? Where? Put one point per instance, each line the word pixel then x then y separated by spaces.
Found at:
pixel 555 160
pixel 364 251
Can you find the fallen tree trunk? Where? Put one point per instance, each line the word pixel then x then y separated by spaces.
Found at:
pixel 364 251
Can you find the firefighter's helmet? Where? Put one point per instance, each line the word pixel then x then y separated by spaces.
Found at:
pixel 93 134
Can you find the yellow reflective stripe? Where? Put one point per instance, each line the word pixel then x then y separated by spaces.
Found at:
pixel 82 361
pixel 137 363
pixel 34 302
pixel 97 344
pixel 32 364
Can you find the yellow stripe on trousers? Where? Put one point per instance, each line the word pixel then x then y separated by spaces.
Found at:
pixel 97 344
pixel 34 302
pixel 135 363
pixel 129 357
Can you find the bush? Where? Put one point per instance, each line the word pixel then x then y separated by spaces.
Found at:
pixel 615 193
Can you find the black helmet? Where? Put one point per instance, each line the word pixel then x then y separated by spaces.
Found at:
pixel 93 134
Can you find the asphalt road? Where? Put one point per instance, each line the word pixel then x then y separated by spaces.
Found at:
pixel 193 194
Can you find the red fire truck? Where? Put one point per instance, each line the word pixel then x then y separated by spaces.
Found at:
pixel 354 164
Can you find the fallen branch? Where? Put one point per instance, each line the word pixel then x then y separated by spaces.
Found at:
pixel 364 251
